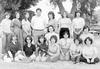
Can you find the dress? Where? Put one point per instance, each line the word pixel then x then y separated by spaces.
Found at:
pixel 16 27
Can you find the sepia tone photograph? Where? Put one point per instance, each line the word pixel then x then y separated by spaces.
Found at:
pixel 49 34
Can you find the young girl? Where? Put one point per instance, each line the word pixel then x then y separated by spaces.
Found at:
pixel 26 25
pixel 89 52
pixel 78 24
pixel 54 50
pixel 64 24
pixel 29 49
pixel 65 43
pixel 75 50
pixel 42 48
pixel 14 52
pixel 51 31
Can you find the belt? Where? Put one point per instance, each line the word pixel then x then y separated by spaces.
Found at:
pixel 38 29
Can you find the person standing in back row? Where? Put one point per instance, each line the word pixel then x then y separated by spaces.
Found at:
pixel 38 24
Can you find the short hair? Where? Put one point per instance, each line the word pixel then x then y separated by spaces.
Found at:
pixel 38 9
pixel 68 33
pixel 86 27
pixel 51 13
pixel 88 38
pixel 77 12
pixel 80 40
pixel 54 37
pixel 30 37
pixel 49 27
pixel 41 36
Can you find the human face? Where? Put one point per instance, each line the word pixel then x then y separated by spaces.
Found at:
pixel 88 42
pixel 8 16
pixel 86 30
pixel 53 41
pixel 14 39
pixel 76 42
pixel 78 14
pixel 17 15
pixel 41 39
pixel 28 40
pixel 65 35
pixel 50 29
pixel 38 12
pixel 50 16
pixel 64 14
pixel 27 15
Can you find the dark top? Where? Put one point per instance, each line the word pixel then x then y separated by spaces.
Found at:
pixel 14 48
pixel 29 50
pixel 43 47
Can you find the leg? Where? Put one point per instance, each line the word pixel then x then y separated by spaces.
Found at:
pixel 7 59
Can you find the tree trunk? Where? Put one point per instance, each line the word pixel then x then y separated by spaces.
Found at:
pixel 61 7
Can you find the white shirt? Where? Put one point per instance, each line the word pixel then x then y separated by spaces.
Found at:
pixel 78 22
pixel 5 25
pixel 38 23
pixel 48 35
pixel 65 23
pixel 26 25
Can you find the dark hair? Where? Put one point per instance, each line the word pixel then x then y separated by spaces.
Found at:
pixel 88 38
pixel 67 31
pixel 38 9
pixel 86 27
pixel 49 27
pixel 77 12
pixel 80 40
pixel 66 14
pixel 41 36
pixel 51 13
pixel 30 37
pixel 53 37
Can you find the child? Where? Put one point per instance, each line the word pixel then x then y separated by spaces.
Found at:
pixel 64 44
pixel 42 48
pixel 29 49
pixel 54 50
pixel 14 52
pixel 75 50
pixel 89 52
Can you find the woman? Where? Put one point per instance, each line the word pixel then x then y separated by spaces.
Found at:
pixel 54 50
pixel 65 44
pixel 29 49
pixel 52 20
pixel 78 24
pixel 5 28
pixel 26 25
pixel 89 52
pixel 76 50
pixel 51 31
pixel 16 28
pixel 42 48
pixel 86 33
pixel 64 24
pixel 14 51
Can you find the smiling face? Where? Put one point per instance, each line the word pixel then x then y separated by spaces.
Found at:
pixel 88 42
pixel 28 40
pixel 65 35
pixel 17 15
pixel 51 29
pixel 53 41
pixel 38 12
pixel 50 16
pixel 14 39
pixel 41 39
pixel 27 15
pixel 78 14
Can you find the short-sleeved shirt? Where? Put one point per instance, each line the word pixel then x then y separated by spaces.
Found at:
pixel 29 50
pixel 14 48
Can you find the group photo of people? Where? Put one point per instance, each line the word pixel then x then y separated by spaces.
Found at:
pixel 35 39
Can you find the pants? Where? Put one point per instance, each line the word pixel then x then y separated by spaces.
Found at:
pixel 96 60
pixel 36 34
